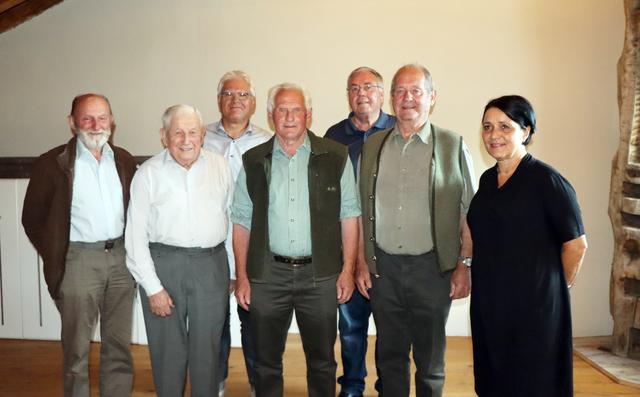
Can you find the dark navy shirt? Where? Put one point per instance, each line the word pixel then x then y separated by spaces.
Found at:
pixel 348 134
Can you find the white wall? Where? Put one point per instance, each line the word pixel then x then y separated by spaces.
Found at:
pixel 147 55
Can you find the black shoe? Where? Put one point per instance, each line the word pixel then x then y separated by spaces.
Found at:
pixel 343 394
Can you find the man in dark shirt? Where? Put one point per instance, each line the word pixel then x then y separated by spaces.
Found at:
pixel 365 92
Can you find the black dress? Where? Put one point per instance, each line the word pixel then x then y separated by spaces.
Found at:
pixel 520 313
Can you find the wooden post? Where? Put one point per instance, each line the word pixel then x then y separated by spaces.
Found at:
pixel 624 199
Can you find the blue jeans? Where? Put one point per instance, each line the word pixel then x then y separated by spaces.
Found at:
pixel 247 346
pixel 353 325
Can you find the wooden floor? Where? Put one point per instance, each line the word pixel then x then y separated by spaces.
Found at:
pixel 33 369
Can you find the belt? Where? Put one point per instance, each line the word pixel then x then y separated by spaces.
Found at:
pixel 292 260
pixel 98 245
pixel 186 250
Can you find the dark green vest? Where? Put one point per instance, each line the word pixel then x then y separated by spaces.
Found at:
pixel 326 163
pixel 446 192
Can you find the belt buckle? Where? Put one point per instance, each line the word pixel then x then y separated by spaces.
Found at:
pixel 108 245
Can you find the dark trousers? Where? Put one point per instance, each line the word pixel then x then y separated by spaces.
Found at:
pixel 198 282
pixel 247 347
pixel 96 281
pixel 410 302
pixel 353 324
pixel 292 288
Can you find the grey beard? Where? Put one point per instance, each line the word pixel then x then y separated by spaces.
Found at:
pixel 91 143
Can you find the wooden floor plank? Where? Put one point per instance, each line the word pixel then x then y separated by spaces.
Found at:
pixel 33 368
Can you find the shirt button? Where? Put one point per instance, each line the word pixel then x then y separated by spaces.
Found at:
pixel 292 220
pixel 293 179
pixel 399 208
pixel 293 199
pixel 371 218
pixel 371 197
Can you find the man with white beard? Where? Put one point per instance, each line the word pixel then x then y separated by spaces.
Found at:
pixel 74 214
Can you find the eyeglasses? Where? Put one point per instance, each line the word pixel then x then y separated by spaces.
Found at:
pixel 235 94
pixel 401 91
pixel 366 87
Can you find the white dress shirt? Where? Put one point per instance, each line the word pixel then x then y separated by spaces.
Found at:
pixel 175 206
pixel 97 208
pixel 218 141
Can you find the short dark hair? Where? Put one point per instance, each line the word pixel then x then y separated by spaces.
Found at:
pixel 518 109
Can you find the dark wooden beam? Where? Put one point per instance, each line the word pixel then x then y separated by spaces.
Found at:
pixel 22 11
pixel 20 167
pixel 6 4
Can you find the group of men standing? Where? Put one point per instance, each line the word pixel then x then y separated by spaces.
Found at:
pixel 290 222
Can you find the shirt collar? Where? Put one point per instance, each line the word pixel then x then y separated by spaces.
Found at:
pixel 168 159
pixel 424 134
pixel 219 129
pixel 306 145
pixel 83 153
pixel 379 124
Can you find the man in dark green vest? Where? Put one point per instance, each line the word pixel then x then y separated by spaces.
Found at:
pixel 295 214
pixel 416 183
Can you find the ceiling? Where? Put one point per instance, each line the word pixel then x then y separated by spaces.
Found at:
pixel 15 12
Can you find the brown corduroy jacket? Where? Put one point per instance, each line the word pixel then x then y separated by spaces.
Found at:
pixel 46 213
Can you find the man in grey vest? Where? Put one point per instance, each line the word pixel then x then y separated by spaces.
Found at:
pixel 416 183
pixel 294 208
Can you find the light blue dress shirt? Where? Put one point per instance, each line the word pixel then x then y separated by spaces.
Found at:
pixel 97 208
pixel 218 141
pixel 289 220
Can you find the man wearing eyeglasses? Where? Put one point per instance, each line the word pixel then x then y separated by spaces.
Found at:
pixel 416 183
pixel 230 137
pixel 365 92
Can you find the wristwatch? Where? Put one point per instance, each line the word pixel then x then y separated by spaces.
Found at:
pixel 466 260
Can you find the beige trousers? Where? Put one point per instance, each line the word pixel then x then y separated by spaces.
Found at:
pixel 97 283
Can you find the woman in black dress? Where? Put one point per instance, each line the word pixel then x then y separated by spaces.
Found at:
pixel 528 245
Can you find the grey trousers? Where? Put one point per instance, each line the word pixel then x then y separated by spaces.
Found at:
pixel 197 280
pixel 96 282
pixel 292 288
pixel 410 303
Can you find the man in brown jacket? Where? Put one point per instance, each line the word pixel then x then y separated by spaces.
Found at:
pixel 74 213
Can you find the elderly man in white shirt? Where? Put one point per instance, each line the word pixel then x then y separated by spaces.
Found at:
pixel 230 137
pixel 176 228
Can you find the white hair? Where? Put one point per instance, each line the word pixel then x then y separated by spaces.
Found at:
pixel 236 75
pixel 276 89
pixel 429 85
pixel 171 111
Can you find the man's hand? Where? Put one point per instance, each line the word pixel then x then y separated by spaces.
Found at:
pixel 344 286
pixel 363 279
pixel 460 282
pixel 161 303
pixel 232 286
pixel 243 293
